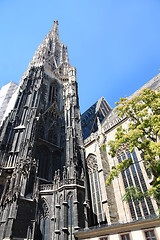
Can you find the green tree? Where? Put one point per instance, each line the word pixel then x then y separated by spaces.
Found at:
pixel 142 132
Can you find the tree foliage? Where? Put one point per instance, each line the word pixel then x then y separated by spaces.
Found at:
pixel 142 132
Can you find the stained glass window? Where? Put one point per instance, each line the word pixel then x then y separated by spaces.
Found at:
pixel 95 189
pixel 133 176
pixel 70 218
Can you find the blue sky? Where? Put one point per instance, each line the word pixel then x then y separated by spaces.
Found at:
pixel 115 45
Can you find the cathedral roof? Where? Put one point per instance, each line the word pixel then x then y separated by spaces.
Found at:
pixel 89 118
pixel 109 118
pixel 113 118
pixel 153 84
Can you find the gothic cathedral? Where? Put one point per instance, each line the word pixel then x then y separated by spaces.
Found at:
pixel 43 174
pixel 52 181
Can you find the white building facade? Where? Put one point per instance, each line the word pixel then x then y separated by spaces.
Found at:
pixel 6 93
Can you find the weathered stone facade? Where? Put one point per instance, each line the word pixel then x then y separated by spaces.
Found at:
pixel 43 186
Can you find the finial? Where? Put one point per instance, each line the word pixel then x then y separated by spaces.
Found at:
pixel 54 32
pixel 55 21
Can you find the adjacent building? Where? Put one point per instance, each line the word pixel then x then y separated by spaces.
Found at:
pixel 136 220
pixel 6 93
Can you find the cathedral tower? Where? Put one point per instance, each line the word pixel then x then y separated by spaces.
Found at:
pixel 42 167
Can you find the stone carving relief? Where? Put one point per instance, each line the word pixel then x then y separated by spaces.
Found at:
pixel 92 163
pixel 44 209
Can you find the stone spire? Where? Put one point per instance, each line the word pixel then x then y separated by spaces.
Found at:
pixel 50 51
pixel 54 34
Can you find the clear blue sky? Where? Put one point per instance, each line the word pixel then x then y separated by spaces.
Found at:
pixel 114 44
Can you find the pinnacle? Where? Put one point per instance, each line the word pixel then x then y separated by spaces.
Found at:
pixel 47 47
pixel 55 21
pixel 54 35
pixel 51 51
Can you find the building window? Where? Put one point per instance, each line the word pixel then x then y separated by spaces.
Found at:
pixel 43 155
pixel 70 218
pixel 125 236
pixel 150 235
pixel 44 228
pixel 44 221
pixel 103 238
pixel 95 189
pixel 133 176
pixel 53 93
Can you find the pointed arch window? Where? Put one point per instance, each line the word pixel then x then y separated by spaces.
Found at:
pixel 133 176
pixel 70 217
pixel 44 222
pixel 60 218
pixel 95 188
pixel 53 93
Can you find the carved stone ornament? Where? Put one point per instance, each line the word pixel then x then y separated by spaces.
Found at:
pixel 44 209
pixel 123 148
pixel 92 163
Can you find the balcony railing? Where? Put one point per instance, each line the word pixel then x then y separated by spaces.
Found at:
pixel 50 187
